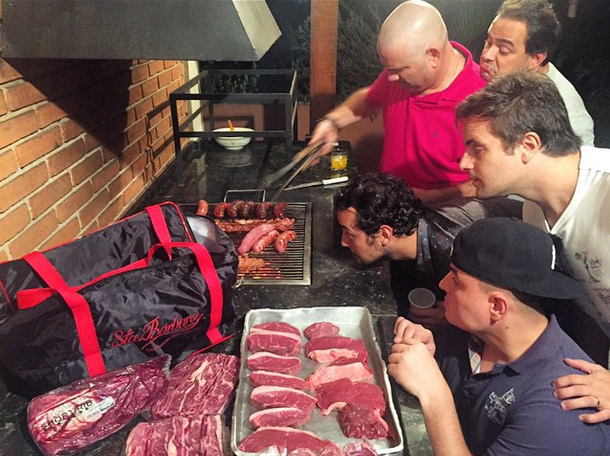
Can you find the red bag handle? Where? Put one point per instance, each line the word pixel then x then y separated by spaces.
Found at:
pixel 159 223
pixel 80 308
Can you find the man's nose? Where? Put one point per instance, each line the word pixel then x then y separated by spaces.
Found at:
pixel 443 283
pixel 466 162
pixel 488 54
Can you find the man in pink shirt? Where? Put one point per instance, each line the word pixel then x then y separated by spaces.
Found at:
pixel 424 79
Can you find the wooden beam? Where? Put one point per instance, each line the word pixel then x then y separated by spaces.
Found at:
pixel 323 57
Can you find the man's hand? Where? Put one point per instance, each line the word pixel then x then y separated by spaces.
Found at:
pixel 582 391
pixel 416 370
pixel 405 330
pixel 431 316
pixel 325 132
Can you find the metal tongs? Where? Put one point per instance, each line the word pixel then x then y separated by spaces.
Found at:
pixel 303 159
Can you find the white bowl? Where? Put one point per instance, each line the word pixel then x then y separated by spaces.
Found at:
pixel 233 142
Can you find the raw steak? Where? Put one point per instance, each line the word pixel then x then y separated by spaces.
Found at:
pixel 264 397
pixel 280 343
pixel 177 436
pixel 200 385
pixel 280 416
pixel 321 329
pixel 260 378
pixel 72 417
pixel 334 395
pixel 277 326
pixel 359 448
pixel 289 440
pixel 274 363
pixel 355 371
pixel 328 349
pixel 361 422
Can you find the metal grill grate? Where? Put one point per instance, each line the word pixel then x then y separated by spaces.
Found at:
pixel 293 267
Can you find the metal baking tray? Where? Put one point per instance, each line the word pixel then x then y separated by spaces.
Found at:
pixel 354 322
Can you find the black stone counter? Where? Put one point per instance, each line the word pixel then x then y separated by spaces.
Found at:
pixel 210 172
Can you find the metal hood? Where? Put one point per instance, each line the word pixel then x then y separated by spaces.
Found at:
pixel 138 29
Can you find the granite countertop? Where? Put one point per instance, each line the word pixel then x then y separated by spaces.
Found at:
pixel 210 172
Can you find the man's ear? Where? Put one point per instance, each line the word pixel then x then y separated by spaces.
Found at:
pixel 386 233
pixel 433 55
pixel 498 305
pixel 529 146
pixel 536 60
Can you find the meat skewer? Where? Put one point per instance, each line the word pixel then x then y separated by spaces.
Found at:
pixel 234 208
pixel 245 225
pixel 246 209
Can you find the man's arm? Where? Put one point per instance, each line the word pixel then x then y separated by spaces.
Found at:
pixel 414 368
pixel 353 109
pixel 584 391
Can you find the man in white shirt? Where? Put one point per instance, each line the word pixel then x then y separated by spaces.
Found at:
pixel 519 141
pixel 523 35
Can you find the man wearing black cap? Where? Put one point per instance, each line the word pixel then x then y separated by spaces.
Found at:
pixel 496 396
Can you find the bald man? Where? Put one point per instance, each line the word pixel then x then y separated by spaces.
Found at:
pixel 424 79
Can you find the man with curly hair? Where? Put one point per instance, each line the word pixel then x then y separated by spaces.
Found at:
pixel 382 219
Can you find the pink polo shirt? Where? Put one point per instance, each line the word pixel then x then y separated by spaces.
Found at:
pixel 422 143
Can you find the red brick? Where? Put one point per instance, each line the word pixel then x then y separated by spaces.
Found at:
pixel 135 131
pixel 144 107
pixel 165 78
pixel 163 127
pixel 18 127
pixel 138 165
pixel 3 107
pixel 87 168
pixel 133 190
pixel 66 233
pixel 70 130
pixel 160 98
pixel 150 87
pixel 22 94
pixel 13 222
pixel 4 256
pixel 169 63
pixel 22 186
pixel 31 238
pixel 155 66
pixel 139 74
pixel 103 177
pixel 7 72
pixel 8 164
pixel 74 202
pixel 49 113
pixel 50 194
pixel 175 85
pixel 121 182
pixel 66 156
pixel 130 153
pixel 112 213
pixel 94 208
pixel 40 145
pixel 135 94
pixel 177 72
pixel 91 142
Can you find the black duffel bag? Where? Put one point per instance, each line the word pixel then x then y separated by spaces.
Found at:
pixel 136 289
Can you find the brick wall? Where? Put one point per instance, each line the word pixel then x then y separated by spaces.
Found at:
pixel 80 140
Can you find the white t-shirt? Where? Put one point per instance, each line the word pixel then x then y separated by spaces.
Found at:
pixel 580 120
pixel 584 228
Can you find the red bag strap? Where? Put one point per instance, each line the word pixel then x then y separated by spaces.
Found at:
pixel 79 307
pixel 159 224
pixel 208 271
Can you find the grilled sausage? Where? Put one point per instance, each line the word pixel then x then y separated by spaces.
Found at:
pixel 202 207
pixel 279 210
pixel 219 210
pixel 250 238
pixel 246 209
pixel 262 242
pixel 262 208
pixel 281 243
pixel 234 208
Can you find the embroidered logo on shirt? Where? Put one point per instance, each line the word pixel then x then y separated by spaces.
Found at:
pixel 497 406
pixel 593 266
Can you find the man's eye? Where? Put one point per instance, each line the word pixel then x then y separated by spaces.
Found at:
pixel 504 51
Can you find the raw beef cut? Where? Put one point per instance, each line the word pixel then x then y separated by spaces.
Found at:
pixel 321 329
pixel 274 363
pixel 277 326
pixel 72 417
pixel 362 422
pixel 328 349
pixel 289 440
pixel 264 397
pixel 200 385
pixel 260 378
pixel 334 395
pixel 355 371
pixel 280 416
pixel 280 343
pixel 359 448
pixel 177 436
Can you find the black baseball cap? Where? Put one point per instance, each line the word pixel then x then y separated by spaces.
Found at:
pixel 514 255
